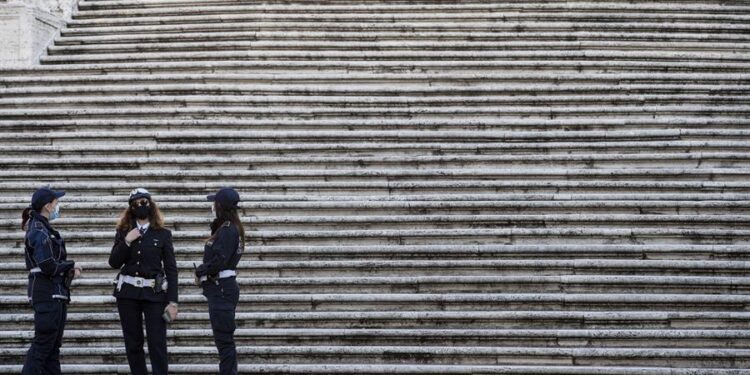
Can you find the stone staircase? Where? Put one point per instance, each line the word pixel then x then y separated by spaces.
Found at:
pixel 430 187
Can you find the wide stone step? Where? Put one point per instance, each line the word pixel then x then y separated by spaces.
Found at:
pixel 260 212
pixel 405 301
pixel 361 369
pixel 330 268
pixel 303 55
pixel 556 111
pixel 654 338
pixel 465 355
pixel 318 224
pixel 354 82
pixel 347 66
pixel 554 356
pixel 395 46
pixel 397 188
pixel 401 35
pixel 186 6
pixel 141 176
pixel 480 123
pixel 390 23
pixel 149 138
pixel 419 319
pixel 292 15
pixel 440 252
pixel 578 283
pixel 361 102
pixel 598 160
pixel 178 151
pixel 94 9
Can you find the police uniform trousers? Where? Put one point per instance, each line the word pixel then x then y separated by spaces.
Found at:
pixel 222 303
pixel 43 356
pixel 132 313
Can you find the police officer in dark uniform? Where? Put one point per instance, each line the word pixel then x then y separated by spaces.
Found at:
pixel 146 286
pixel 217 274
pixel 50 274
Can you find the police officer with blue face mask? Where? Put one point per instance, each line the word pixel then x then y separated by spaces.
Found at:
pixel 50 274
pixel 217 274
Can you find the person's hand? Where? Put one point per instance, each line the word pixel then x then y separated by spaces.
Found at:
pixel 133 235
pixel 77 270
pixel 172 311
pixel 197 280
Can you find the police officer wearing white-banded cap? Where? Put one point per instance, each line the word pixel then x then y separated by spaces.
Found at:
pixel 146 286
pixel 50 274
pixel 217 274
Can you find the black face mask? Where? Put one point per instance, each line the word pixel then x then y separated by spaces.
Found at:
pixel 142 212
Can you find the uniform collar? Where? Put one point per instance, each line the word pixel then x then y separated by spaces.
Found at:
pixel 143 227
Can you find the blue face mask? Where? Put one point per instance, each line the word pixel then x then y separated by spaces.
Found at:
pixel 56 213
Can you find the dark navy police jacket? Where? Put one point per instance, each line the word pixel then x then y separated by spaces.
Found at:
pixel 45 250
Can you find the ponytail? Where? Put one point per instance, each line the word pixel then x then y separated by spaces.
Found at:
pixel 25 217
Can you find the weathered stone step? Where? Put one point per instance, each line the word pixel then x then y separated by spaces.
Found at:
pixel 579 35
pixel 437 124
pixel 364 149
pixel 187 6
pixel 485 301
pixel 229 175
pixel 464 355
pixel 242 23
pixel 489 234
pixel 303 55
pixel 182 214
pixel 438 252
pixel 471 45
pixel 151 137
pixel 91 10
pixel 396 188
pixel 421 319
pixel 552 111
pixel 348 66
pixel 647 159
pixel 373 369
pixel 353 82
pixel 578 283
pixel 100 270
pixel 477 221
pixel 653 338
pixel 324 102
pixel 707 21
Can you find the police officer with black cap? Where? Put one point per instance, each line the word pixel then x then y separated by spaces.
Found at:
pixel 146 286
pixel 217 274
pixel 50 274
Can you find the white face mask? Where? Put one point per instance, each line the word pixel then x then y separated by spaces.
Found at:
pixel 55 213
pixel 213 210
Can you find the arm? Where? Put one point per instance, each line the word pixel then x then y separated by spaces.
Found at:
pixel 221 250
pixel 120 251
pixel 170 268
pixel 43 256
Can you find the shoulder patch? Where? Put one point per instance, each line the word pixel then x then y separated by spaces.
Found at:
pixel 38 225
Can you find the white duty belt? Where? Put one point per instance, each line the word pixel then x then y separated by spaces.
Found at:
pixel 137 282
pixel 222 275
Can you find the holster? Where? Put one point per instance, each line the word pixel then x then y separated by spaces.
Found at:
pixel 68 280
pixel 160 283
